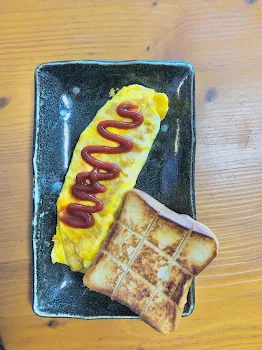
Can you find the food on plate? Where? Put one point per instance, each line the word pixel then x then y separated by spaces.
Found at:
pixel 106 162
pixel 130 246
pixel 149 259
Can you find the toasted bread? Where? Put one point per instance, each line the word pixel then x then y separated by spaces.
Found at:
pixel 149 259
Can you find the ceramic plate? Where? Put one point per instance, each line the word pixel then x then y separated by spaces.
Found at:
pixel 67 97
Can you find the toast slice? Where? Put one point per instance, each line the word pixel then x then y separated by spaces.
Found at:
pixel 149 259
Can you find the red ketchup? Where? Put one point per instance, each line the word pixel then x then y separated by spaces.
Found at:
pixel 87 183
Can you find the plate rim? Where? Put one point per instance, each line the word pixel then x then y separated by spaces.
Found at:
pixel 116 62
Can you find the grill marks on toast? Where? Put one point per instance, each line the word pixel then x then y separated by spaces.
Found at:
pixel 128 267
pixel 138 248
pixel 171 261
pixel 157 249
pixel 168 271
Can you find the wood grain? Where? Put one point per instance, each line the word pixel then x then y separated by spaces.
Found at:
pixel 222 39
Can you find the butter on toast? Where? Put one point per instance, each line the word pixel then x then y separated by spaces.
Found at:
pixel 149 259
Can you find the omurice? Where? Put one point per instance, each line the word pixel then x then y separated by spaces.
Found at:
pixel 106 162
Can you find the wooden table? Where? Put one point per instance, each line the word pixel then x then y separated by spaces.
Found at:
pixel 223 41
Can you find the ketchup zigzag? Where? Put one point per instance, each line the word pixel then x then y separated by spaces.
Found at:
pixel 87 183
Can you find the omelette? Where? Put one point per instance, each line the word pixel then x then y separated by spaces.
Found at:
pixel 77 245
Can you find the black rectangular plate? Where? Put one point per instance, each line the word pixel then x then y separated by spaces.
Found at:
pixel 67 97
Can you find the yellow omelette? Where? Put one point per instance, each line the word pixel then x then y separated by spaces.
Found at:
pixel 77 247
